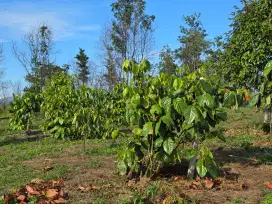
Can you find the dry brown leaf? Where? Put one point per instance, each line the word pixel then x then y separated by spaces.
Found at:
pixel 21 197
pixel 43 202
pixel 60 200
pixel 30 188
pixel 268 184
pixel 52 194
pixel 37 181
pixel 95 188
pixel 177 178
pixel 208 184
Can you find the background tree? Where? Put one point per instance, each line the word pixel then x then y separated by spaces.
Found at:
pixel 131 29
pixel 83 68
pixel 37 60
pixel 167 62
pixel 193 43
pixel 246 48
pixel 110 59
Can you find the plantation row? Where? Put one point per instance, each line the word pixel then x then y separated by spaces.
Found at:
pixel 164 112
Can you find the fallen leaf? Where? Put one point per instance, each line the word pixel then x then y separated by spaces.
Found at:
pixel 37 181
pixel 30 188
pixel 52 194
pixel 208 184
pixel 60 200
pixel 268 184
pixel 95 188
pixel 21 197
pixel 43 202
pixel 177 178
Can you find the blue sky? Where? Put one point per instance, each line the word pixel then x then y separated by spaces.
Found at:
pixel 79 23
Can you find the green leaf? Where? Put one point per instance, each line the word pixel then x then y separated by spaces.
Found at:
pixel 115 134
pixel 145 65
pixel 254 100
pixel 206 100
pixel 268 69
pixel 126 65
pixel 136 100
pixel 191 114
pixel 230 99
pixel 205 86
pixel 200 167
pixel 268 100
pixel 178 83
pixel 157 127
pixel 148 127
pixel 121 165
pixel 135 68
pixel 166 104
pixel 156 109
pixel 179 105
pixel 61 121
pixel 168 145
pixel 222 115
pixel 137 131
pixel 167 120
pixel 158 142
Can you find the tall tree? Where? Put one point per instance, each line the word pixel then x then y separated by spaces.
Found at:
pixel 167 62
pixel 37 60
pixel 82 64
pixel 110 59
pixel 245 50
pixel 193 43
pixel 131 29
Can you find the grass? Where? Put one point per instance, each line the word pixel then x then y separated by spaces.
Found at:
pixel 22 159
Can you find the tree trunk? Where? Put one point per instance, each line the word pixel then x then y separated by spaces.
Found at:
pixel 192 165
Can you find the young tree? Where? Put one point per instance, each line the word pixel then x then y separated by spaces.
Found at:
pixel 82 64
pixel 37 60
pixel 131 29
pixel 193 42
pixel 167 62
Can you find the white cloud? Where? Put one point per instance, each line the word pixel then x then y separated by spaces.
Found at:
pixel 16 22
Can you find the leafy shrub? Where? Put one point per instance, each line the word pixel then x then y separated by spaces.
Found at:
pixel 22 109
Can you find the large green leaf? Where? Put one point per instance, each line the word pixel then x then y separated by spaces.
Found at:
pixel 254 100
pixel 178 83
pixel 201 168
pixel 268 69
pixel 148 127
pixel 168 145
pixel 205 86
pixel 166 104
pixel 206 100
pixel 137 131
pixel 136 100
pixel 156 109
pixel 191 114
pixel 158 142
pixel 230 99
pixel 167 120
pixel 115 134
pixel 179 105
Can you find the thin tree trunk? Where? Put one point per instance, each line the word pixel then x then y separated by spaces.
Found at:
pixel 192 164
